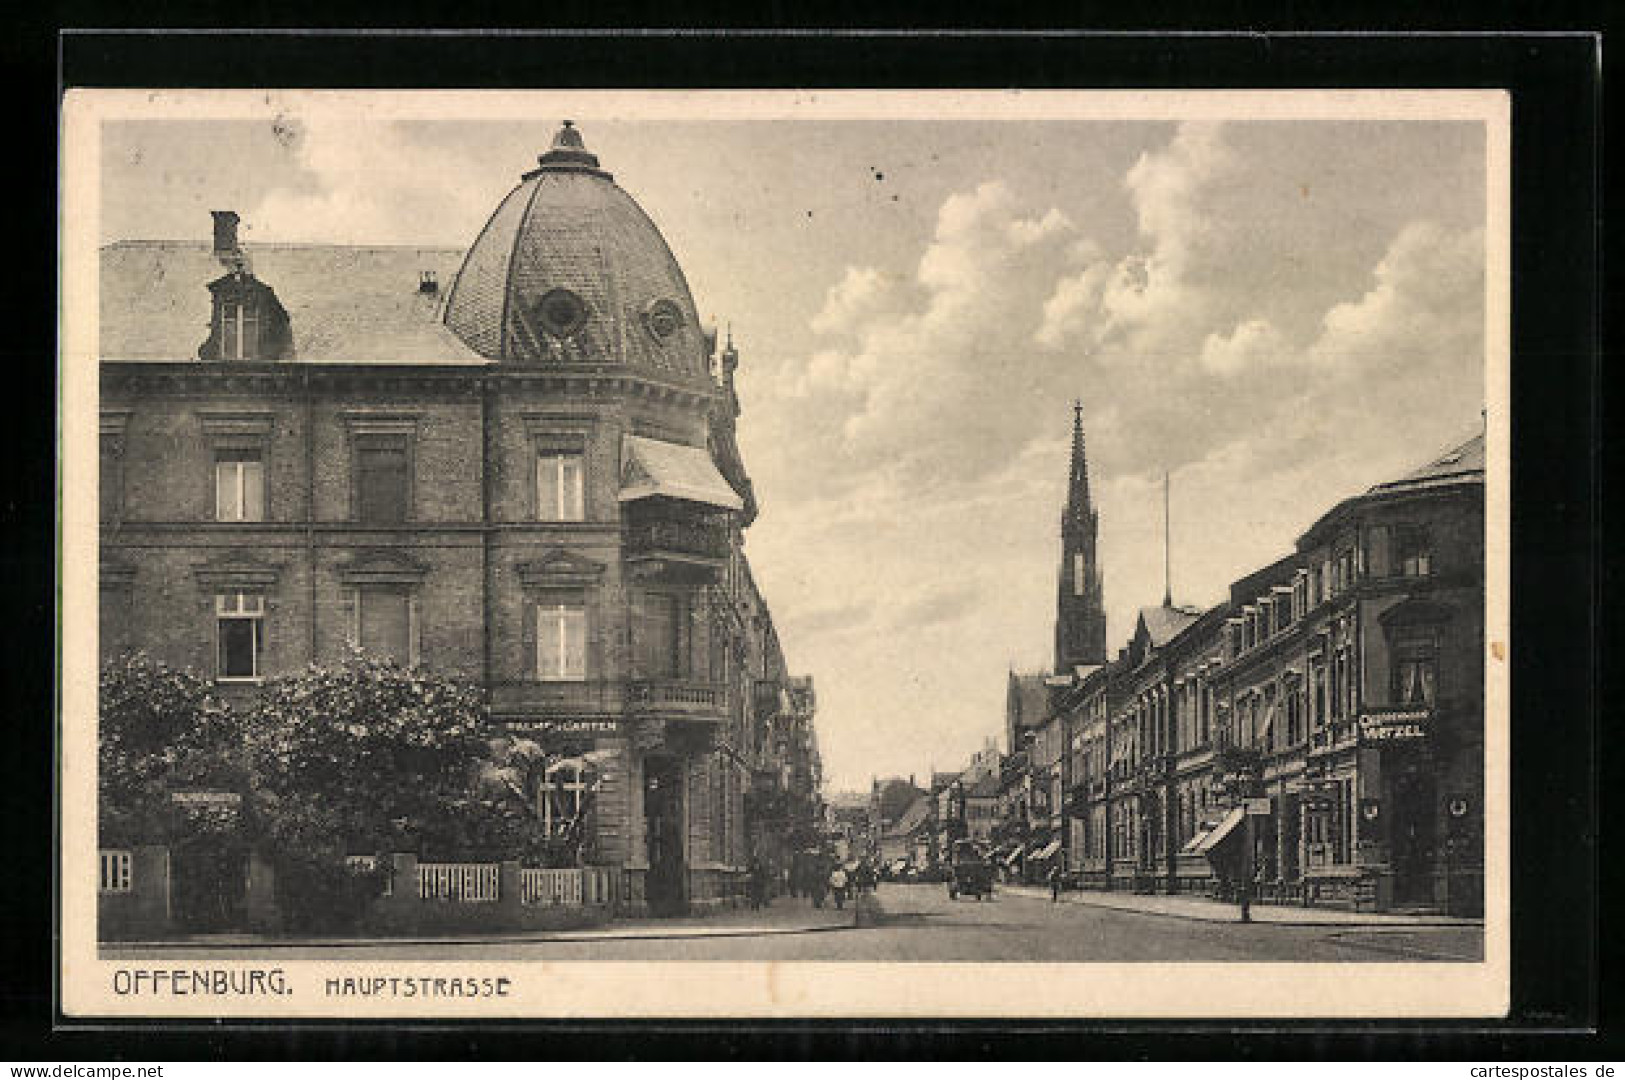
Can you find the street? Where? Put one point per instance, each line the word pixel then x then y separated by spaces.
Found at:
pixel 920 924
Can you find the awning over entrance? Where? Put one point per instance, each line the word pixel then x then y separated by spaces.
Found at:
pixel 1216 835
pixel 1014 855
pixel 1046 851
pixel 653 467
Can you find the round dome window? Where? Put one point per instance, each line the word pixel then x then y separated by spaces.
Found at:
pixel 663 319
pixel 562 312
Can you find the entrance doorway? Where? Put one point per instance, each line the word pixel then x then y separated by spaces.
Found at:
pixel 208 887
pixel 1412 838
pixel 663 824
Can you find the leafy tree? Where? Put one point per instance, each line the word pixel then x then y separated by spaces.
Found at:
pixel 372 757
pixel 159 731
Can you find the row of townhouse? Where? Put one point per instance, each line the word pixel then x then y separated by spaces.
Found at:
pixel 1339 691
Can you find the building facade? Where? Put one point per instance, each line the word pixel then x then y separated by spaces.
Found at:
pixel 1341 687
pixel 516 465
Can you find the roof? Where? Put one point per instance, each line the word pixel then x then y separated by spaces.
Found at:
pixel 654 467
pixel 1163 624
pixel 1460 464
pixel 568 233
pixel 346 304
pixel 987 787
pixel 915 816
pixel 1460 467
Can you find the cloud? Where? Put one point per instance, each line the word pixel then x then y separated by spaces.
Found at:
pixel 354 190
pixel 1426 302
pixel 863 295
pixel 1251 345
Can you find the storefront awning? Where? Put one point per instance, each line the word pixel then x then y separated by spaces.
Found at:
pixel 652 467
pixel 1223 829
pixel 1190 847
pixel 1014 855
pixel 1046 851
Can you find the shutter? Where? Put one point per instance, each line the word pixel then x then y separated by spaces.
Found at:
pixel 573 625
pixel 225 490
pixel 349 611
pixel 414 630
pixel 253 489
pixel 570 477
pixel 547 487
pixel 527 635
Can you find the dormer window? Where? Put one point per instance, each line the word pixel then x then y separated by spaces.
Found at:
pixel 239 331
pixel 249 323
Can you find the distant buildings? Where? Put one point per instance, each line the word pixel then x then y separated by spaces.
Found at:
pixel 1340 689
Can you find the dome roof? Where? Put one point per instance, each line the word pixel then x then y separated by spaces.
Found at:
pixel 570 270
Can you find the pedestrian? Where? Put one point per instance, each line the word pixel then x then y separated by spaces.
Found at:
pixel 758 883
pixel 837 885
pixel 1055 884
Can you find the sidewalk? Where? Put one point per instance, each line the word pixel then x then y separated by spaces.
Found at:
pixel 783 916
pixel 1203 909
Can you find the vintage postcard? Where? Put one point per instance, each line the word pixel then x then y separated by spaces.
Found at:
pixel 837 554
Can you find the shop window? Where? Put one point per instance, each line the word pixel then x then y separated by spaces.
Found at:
pixel 1413 551
pixel 560 486
pixel 561 795
pixel 239 485
pixel 561 642
pixel 240 634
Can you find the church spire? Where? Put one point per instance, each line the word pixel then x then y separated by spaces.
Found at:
pixel 1077 496
pixel 1080 617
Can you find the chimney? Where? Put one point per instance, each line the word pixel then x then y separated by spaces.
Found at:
pixel 225 233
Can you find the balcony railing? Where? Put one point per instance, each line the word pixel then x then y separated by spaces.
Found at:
pixel 695 539
pixel 675 695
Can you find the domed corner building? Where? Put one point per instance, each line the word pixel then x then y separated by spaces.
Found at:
pixel 515 464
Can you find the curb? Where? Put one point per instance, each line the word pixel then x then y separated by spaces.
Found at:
pixel 495 939
pixel 1235 919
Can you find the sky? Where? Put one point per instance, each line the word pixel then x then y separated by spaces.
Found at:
pixel 1278 312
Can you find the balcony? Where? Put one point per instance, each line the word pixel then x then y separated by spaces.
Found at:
pixel 680 697
pixel 592 696
pixel 676 547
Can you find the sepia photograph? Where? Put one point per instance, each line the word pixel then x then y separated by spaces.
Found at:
pixel 680 553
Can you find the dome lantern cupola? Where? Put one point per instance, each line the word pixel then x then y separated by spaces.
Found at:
pixel 570 272
pixel 568 151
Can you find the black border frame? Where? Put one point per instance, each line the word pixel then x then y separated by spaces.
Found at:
pixel 1558 547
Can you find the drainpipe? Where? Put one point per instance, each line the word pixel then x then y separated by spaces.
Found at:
pixel 487 455
pixel 310 502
